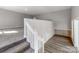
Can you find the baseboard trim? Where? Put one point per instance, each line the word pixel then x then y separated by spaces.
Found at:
pixel 63 36
pixel 63 32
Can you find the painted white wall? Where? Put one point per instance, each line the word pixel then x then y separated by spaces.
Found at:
pixel 10 19
pixel 61 19
pixel 75 12
pixel 45 29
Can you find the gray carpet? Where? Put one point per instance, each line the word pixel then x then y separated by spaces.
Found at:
pixel 6 39
pixel 11 42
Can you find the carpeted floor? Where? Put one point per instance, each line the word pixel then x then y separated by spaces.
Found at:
pixel 9 38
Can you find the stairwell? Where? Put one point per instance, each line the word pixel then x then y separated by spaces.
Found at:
pixel 14 43
pixel 21 46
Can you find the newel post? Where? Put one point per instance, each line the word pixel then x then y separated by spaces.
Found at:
pixel 36 43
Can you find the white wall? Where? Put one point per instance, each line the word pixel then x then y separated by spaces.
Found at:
pixel 62 20
pixel 44 28
pixel 10 19
pixel 75 12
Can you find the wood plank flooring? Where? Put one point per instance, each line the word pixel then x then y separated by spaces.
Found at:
pixel 59 44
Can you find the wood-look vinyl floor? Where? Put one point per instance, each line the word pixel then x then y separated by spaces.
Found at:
pixel 59 44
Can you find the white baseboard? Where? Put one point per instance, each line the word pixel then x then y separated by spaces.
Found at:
pixel 63 32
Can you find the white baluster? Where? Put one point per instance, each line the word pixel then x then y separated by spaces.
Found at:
pixel 36 42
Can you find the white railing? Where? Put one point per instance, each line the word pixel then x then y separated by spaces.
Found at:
pixel 33 38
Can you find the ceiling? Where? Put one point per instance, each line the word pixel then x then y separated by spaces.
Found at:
pixel 34 10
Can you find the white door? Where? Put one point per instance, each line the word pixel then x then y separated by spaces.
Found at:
pixel 75 33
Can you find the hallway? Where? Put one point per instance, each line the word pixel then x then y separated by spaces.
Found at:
pixel 59 44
